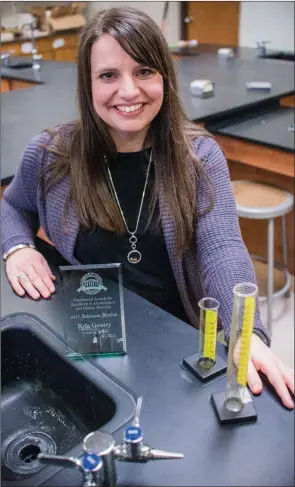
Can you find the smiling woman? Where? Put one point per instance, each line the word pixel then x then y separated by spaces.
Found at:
pixel 133 181
pixel 127 95
pixel 123 61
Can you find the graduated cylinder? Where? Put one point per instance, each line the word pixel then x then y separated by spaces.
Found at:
pixel 208 332
pixel 245 295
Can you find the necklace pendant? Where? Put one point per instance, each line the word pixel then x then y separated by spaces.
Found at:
pixel 134 256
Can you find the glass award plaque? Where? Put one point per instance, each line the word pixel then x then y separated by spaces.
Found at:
pixel 94 320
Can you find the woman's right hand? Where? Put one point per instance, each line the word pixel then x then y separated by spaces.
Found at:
pixel 28 271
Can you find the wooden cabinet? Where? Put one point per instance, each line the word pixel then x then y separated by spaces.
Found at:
pixel 44 48
pixel 48 56
pixel 14 84
pixel 5 86
pixel 65 54
pixel 68 54
pixel 288 101
pixel 12 46
pixel 42 44
pixel 64 47
pixel 57 47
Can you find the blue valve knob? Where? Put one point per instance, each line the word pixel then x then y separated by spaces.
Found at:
pixel 133 434
pixel 91 462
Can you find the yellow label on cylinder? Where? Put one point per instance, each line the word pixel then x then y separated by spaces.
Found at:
pixel 247 328
pixel 210 334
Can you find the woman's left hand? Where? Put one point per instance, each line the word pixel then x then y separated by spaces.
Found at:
pixel 279 375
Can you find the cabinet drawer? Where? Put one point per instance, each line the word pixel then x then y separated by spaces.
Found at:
pixel 47 56
pixel 62 54
pixel 43 45
pixel 47 46
pixel 15 46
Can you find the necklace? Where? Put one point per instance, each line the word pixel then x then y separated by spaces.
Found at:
pixel 134 256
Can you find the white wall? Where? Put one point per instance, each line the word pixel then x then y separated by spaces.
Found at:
pixel 267 21
pixel 153 9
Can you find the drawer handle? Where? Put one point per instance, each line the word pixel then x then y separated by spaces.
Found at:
pixel 57 43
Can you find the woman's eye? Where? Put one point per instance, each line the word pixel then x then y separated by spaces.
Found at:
pixel 145 72
pixel 107 76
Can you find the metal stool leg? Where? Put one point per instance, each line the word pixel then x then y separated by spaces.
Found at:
pixel 270 259
pixel 285 253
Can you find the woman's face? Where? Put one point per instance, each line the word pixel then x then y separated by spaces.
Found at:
pixel 127 96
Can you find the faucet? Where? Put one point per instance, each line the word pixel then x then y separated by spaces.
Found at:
pixel 35 56
pixel 5 57
pixel 132 448
pixel 102 443
pixel 90 466
pixel 261 49
pixel 100 453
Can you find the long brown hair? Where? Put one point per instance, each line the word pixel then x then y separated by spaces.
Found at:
pixel 88 141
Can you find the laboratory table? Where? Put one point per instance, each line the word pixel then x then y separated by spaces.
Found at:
pixel 52 100
pixel 176 413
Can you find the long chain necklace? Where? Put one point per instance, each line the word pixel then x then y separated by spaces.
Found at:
pixel 134 256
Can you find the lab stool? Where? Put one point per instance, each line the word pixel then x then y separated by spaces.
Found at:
pixel 263 202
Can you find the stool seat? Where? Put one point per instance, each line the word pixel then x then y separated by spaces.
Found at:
pixel 260 201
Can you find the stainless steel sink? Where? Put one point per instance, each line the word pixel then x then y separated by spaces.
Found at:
pixel 48 402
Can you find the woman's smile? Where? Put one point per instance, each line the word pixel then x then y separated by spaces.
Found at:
pixel 130 110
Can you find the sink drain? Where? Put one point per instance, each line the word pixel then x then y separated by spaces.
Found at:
pixel 21 455
pixel 29 453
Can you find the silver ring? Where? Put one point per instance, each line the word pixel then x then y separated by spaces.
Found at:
pixel 22 276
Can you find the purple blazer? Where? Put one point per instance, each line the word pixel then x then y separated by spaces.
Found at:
pixel 220 260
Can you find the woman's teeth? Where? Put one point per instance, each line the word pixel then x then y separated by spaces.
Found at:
pixel 131 108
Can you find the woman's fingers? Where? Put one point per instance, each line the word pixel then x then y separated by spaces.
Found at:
pixel 48 270
pixel 273 373
pixel 36 281
pixel 253 379
pixel 16 285
pixel 28 286
pixel 27 270
pixel 45 273
pixel 287 374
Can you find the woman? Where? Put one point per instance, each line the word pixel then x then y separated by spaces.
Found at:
pixel 133 181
